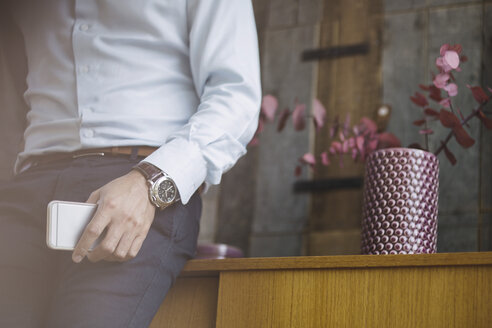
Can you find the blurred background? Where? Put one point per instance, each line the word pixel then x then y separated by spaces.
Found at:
pixel 355 56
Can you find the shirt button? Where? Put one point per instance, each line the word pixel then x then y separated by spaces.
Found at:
pixel 88 133
pixel 84 27
pixel 84 69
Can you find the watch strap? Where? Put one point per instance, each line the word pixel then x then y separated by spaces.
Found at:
pixel 149 171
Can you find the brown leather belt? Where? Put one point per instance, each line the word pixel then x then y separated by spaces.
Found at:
pixel 135 151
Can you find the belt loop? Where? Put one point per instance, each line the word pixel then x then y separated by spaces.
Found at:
pixel 134 154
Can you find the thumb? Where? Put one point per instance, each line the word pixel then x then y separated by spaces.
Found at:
pixel 94 197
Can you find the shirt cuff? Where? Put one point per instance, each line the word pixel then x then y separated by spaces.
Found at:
pixel 183 162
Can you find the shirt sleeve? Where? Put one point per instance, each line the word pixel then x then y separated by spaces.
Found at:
pixel 224 63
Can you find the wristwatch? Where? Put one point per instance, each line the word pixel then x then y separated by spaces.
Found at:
pixel 162 189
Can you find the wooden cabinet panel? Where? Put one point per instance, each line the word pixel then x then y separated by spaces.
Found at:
pixel 377 297
pixel 191 303
pixel 426 290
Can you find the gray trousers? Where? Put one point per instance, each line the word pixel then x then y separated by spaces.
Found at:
pixel 40 287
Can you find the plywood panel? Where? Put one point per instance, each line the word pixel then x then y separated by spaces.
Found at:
pixel 194 296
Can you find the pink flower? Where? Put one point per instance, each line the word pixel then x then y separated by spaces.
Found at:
pixel 319 114
pixel 335 148
pixel 446 102
pixel 443 67
pixel 309 159
pixel 448 61
pixel 445 47
pixel 325 159
pixel 440 80
pixel 452 89
pixel 269 106
pixel 452 59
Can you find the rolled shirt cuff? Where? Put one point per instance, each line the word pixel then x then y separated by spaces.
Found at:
pixel 183 162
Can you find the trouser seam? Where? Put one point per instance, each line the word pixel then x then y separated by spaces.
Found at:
pixel 132 318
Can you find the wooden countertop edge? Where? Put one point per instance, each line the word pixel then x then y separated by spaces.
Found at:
pixel 214 267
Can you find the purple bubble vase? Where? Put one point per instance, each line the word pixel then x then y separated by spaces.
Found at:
pixel 399 214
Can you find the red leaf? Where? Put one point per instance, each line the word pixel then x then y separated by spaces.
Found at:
pixel 282 121
pixel 448 119
pixel 298 117
pixel 479 95
pixel 485 120
pixel 325 159
pixel 298 171
pixel 369 125
pixel 424 87
pixel 431 112
pixel 461 115
pixel 457 47
pixel 388 140
pixel 419 122
pixel 463 137
pixel 449 155
pixel 269 106
pixel 319 114
pixel 435 93
pixel 419 100
pixel 463 59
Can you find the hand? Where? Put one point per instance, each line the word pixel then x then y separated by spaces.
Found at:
pixel 125 212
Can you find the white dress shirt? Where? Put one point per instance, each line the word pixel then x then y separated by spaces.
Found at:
pixel 181 75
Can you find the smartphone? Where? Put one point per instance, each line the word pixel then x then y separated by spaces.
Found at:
pixel 66 223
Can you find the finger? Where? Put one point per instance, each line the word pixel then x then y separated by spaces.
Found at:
pixel 140 238
pixel 123 247
pixel 136 246
pixel 94 197
pixel 91 233
pixel 108 245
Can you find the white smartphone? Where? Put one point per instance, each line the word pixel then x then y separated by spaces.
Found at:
pixel 66 223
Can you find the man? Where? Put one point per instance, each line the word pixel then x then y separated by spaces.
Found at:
pixel 121 95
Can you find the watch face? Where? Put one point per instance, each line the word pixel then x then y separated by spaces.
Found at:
pixel 166 191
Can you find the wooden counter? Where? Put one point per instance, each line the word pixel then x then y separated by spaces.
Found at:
pixel 436 290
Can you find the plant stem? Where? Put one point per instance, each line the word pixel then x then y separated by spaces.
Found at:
pixel 426 137
pixel 463 122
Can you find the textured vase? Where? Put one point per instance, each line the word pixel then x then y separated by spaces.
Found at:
pixel 400 202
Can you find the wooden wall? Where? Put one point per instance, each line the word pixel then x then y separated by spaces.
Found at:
pixel 346 85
